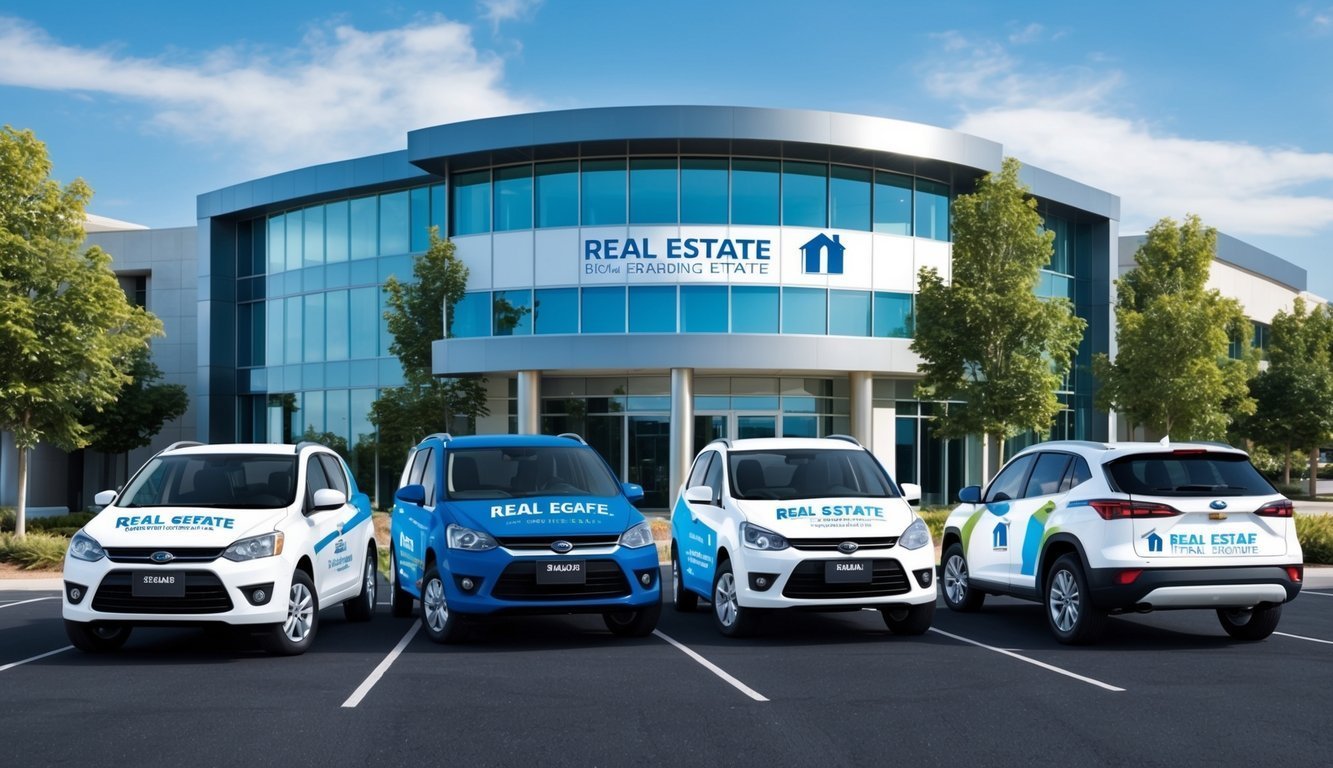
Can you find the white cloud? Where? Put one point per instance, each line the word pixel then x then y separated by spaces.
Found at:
pixel 499 11
pixel 1028 34
pixel 1320 19
pixel 340 92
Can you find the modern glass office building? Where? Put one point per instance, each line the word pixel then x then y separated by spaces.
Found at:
pixel 649 277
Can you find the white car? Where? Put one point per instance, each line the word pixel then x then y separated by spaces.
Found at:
pixel 1095 528
pixel 256 535
pixel 799 523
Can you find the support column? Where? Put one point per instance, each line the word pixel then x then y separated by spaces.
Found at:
pixel 862 406
pixel 529 402
pixel 682 429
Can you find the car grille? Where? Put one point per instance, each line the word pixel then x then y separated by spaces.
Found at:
pixel 807 582
pixel 204 593
pixel 182 554
pixel 831 545
pixel 604 578
pixel 538 543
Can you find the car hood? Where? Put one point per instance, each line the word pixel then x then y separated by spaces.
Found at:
pixel 179 526
pixel 547 515
pixel 831 517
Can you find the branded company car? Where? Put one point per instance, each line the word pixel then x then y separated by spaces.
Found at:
pixel 1095 528
pixel 520 524
pixel 799 523
pixel 261 536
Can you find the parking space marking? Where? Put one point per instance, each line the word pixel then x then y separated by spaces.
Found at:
pixel 11 665
pixel 1321 594
pixel 711 667
pixel 378 672
pixel 1034 662
pixel 25 602
pixel 1301 637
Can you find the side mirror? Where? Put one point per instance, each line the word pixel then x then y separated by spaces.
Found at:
pixel 104 498
pixel 699 494
pixel 633 492
pixel 411 494
pixel 911 492
pixel 970 495
pixel 329 498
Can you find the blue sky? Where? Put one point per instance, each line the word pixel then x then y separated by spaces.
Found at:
pixel 1223 109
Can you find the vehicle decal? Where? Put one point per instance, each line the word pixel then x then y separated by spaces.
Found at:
pixel 696 546
pixel 971 523
pixel 361 516
pixel 1033 538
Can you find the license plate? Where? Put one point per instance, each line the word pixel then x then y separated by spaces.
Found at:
pixel 158 584
pixel 848 571
pixel 561 572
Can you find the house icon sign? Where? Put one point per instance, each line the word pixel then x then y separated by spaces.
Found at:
pixel 1154 541
pixel 1000 537
pixel 823 255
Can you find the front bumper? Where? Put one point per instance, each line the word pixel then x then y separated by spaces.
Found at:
pixel 504 581
pixel 1215 587
pixel 218 592
pixel 796 578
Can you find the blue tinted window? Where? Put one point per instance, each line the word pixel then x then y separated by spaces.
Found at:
pixel 365 227
pixel 604 310
pixel 313 245
pixel 513 198
pixel 556 310
pixel 805 310
pixel 893 315
pixel 363 306
pixel 313 333
pixel 335 231
pixel 511 313
pixel 337 328
pixel 472 203
pixel 703 308
pixel 703 190
pixel 471 316
pixel 275 333
pixel 849 313
pixel 652 191
pixel 1061 261
pixel 603 192
pixel 652 309
pixel 292 343
pixel 932 210
pixel 804 194
pixel 557 194
pixel 849 198
pixel 754 309
pixel 294 248
pixel 439 203
pixel 277 244
pixel 893 203
pixel 754 192
pixel 420 219
pixel 394 230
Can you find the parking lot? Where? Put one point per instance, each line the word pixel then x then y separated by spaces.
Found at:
pixel 829 689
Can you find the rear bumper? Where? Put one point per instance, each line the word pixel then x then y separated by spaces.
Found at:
pixel 1239 587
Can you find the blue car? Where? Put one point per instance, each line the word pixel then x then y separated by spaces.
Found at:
pixel 495 524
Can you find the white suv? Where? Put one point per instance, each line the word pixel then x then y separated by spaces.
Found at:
pixel 256 535
pixel 799 522
pixel 1094 528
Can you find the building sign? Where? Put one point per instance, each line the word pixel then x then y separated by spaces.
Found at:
pixel 718 256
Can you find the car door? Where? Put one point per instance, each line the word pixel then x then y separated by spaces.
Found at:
pixel 334 559
pixel 1028 515
pixel 987 532
pixel 411 522
pixel 696 525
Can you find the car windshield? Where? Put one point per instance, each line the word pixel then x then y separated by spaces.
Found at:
pixel 1198 473
pixel 519 471
pixel 231 481
pixel 807 474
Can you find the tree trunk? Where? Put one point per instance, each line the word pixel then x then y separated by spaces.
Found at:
pixel 20 523
pixel 1286 466
pixel 1314 472
pixel 985 458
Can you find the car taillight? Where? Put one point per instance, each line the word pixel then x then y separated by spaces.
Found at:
pixel 1279 508
pixel 1295 572
pixel 1127 577
pixel 1120 509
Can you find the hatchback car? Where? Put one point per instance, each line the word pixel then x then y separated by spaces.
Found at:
pixel 1090 529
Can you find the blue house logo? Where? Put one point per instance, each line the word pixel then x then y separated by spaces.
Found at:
pixel 823 255
pixel 1154 541
pixel 1000 536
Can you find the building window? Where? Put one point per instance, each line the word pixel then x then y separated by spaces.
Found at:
pixel 849 198
pixel 893 315
pixel 603 185
pixel 513 198
pixel 703 190
pixel 604 310
pixel 804 194
pixel 511 313
pixel 295 226
pixel 931 202
pixel 805 310
pixel 849 313
pixel 893 203
pixel 754 192
pixel 362 304
pixel 364 227
pixel 471 316
pixel 335 232
pixel 337 326
pixel 652 309
pixel 313 246
pixel 557 194
pixel 395 233
pixel 556 310
pixel 277 244
pixel 754 309
pixel 420 219
pixel 652 191
pixel 703 308
pixel 472 203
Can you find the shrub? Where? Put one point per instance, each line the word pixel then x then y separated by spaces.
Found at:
pixel 36 551
pixel 8 516
pixel 1316 535
pixel 935 517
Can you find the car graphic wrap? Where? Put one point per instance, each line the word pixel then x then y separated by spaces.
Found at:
pixel 1034 538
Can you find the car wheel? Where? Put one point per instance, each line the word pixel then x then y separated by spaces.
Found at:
pixel 1072 617
pixel 1250 623
pixel 296 633
pixel 441 624
pixel 958 592
pixel 636 623
pixel 402 599
pixel 682 599
pixel 362 607
pixel 97 636
pixel 729 616
pixel 909 619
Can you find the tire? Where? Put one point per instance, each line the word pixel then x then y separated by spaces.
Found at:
pixel 296 633
pixel 729 616
pixel 402 599
pixel 954 583
pixel 1250 623
pixel 441 624
pixel 97 636
pixel 1072 617
pixel 909 620
pixel 362 607
pixel 682 599
pixel 639 622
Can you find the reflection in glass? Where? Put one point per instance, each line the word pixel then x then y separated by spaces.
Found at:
pixel 604 310
pixel 849 198
pixel 652 309
pixel 804 310
pixel 471 316
pixel 511 313
pixel 893 203
pixel 603 184
pixel 335 232
pixel 804 192
pixel 513 198
pixel 703 308
pixel 754 192
pixel 365 227
pixel 557 195
pixel 849 313
pixel 703 190
pixel 556 310
pixel 932 210
pixel 472 203
pixel 652 190
pixel 337 327
pixel 362 310
pixel 313 246
pixel 754 309
pixel 893 315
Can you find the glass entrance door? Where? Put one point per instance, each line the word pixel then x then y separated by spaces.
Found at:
pixel 747 425
pixel 649 459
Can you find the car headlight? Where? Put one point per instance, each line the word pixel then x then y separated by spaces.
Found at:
pixel 640 535
pixel 255 547
pixel 916 536
pixel 761 538
pixel 466 538
pixel 85 547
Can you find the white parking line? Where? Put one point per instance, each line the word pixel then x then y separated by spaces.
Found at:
pixel 1034 662
pixel 25 602
pixel 1310 639
pixel 369 682
pixel 11 665
pixel 1321 594
pixel 715 669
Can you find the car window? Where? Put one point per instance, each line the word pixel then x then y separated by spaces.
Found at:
pixel 514 471
pixel 1010 483
pixel 236 481
pixel 333 470
pixel 315 479
pixel 713 477
pixel 428 473
pixel 804 473
pixel 418 466
pixel 1047 475
pixel 1188 473
pixel 405 478
pixel 1077 474
pixel 700 469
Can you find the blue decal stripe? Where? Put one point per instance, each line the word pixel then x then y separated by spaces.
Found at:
pixel 360 517
pixel 327 540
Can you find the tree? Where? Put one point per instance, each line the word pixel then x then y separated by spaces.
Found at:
pixel 986 339
pixel 138 412
pixel 1173 373
pixel 67 332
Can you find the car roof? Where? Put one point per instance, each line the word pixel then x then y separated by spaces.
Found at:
pixel 789 443
pixel 258 449
pixel 1110 451
pixel 502 441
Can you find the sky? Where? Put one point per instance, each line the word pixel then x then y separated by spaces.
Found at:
pixel 1222 109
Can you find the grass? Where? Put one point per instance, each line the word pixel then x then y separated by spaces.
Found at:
pixel 1316 535
pixel 34 552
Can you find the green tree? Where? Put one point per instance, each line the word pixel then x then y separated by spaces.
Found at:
pixel 986 339
pixel 138 412
pixel 1173 373
pixel 67 332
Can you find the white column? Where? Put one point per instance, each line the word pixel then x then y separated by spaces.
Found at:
pixel 529 402
pixel 682 428
pixel 862 406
